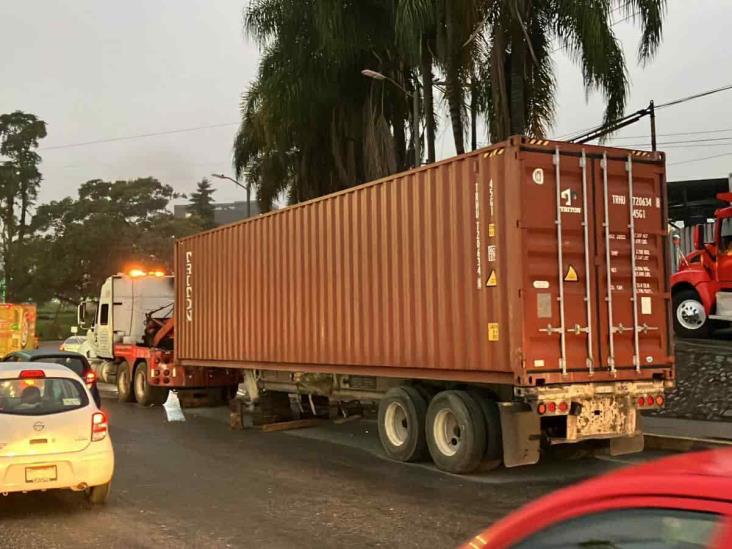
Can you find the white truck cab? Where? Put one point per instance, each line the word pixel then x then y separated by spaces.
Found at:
pixel 118 316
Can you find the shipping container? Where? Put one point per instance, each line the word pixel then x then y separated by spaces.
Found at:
pixel 529 264
pixel 452 271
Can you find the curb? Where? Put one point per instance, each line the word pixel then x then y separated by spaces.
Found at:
pixel 683 444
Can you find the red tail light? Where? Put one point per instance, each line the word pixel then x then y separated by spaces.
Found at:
pixel 30 374
pixel 541 409
pixel 99 426
pixel 660 400
pixel 563 407
pixel 650 400
pixel 641 401
pixel 552 407
pixel 90 377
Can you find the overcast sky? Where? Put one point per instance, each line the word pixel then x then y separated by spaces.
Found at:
pixel 97 70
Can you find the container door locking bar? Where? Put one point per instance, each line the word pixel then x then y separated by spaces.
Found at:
pixel 634 298
pixel 560 262
pixel 588 330
pixel 608 273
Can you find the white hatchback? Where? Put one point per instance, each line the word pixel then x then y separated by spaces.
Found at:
pixel 52 435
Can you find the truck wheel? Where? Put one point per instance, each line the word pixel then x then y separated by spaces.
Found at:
pixel 456 434
pixel 401 422
pixel 106 371
pixel 98 494
pixel 493 437
pixel 690 319
pixel 146 394
pixel 124 383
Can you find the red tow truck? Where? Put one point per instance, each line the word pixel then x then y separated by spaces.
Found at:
pixel 702 287
pixel 130 339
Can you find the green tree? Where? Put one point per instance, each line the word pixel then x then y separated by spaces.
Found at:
pixel 78 242
pixel 201 204
pixel 20 179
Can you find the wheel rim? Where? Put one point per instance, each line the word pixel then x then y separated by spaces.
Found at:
pixel 447 432
pixel 396 424
pixel 690 314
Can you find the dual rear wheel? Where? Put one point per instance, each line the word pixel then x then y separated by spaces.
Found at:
pixel 459 430
pixel 136 388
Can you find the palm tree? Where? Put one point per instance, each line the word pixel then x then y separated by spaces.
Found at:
pixel 522 35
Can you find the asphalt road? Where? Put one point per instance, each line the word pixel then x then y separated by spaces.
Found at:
pixel 199 484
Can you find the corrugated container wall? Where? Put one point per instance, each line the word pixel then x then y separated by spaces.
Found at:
pixel 451 271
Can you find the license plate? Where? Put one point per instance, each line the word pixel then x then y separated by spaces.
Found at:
pixel 41 474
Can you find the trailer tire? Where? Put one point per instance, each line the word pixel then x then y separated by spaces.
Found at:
pixel 125 392
pixel 690 318
pixel 456 433
pixel 146 394
pixel 493 437
pixel 401 423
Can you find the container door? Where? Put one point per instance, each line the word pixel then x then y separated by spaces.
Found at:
pixel 630 228
pixel 558 247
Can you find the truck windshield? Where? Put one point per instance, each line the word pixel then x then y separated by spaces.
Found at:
pixel 40 397
pixel 725 234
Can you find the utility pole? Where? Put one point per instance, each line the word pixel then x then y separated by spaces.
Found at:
pixel 247 187
pixel 652 110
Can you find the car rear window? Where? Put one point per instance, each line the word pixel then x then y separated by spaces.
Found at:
pixel 72 363
pixel 41 396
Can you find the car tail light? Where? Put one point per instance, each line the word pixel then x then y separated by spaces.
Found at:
pixel 31 374
pixel 99 426
pixel 650 400
pixel 552 407
pixel 90 377
pixel 563 407
pixel 641 401
pixel 541 409
pixel 660 401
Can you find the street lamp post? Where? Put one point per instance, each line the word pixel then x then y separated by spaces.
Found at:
pixel 247 187
pixel 415 111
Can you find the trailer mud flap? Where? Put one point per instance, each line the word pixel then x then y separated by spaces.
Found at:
pixel 627 445
pixel 521 433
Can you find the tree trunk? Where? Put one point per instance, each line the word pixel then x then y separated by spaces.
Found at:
pixel 473 114
pixel 429 100
pixel 518 71
pixel 500 122
pixel 455 102
pixel 400 145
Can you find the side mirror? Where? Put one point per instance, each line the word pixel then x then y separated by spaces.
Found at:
pixel 698 237
pixel 74 330
pixel 80 315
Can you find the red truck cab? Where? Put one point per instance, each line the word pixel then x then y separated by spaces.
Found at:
pixel 702 287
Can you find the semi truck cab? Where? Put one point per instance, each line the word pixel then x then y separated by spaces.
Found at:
pixel 702 287
pixel 130 332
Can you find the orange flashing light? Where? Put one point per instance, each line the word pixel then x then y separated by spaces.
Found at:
pixel 157 274
pixel 136 273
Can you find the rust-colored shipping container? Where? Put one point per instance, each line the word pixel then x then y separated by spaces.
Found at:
pixel 505 265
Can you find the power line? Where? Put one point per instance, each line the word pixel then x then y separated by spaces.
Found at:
pixel 670 134
pixel 700 159
pixel 711 139
pixel 138 136
pixel 695 96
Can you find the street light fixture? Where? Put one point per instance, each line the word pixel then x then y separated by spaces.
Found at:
pixel 368 73
pixel 235 182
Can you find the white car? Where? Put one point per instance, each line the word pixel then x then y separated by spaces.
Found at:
pixel 52 435
pixel 73 344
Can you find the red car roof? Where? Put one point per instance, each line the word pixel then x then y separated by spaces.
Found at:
pixel 701 475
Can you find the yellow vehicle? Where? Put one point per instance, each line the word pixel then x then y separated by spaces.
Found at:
pixel 17 327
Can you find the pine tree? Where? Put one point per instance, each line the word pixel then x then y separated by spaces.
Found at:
pixel 201 205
